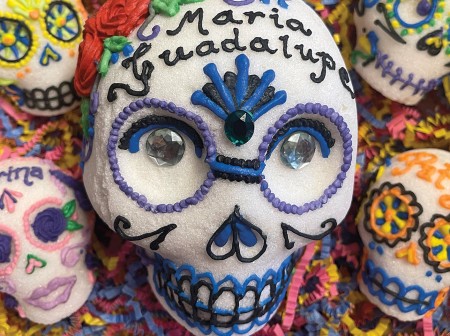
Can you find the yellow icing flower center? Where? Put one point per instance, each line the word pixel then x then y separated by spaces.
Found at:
pixel 8 39
pixel 60 22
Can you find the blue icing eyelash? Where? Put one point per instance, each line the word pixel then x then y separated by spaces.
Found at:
pixel 131 138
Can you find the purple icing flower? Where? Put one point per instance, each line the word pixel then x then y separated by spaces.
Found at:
pixel 5 248
pixel 49 225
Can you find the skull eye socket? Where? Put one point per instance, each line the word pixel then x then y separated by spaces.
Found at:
pixel 435 242
pixel 392 214
pixel 49 223
pixel 17 42
pixel 62 22
pixel 9 251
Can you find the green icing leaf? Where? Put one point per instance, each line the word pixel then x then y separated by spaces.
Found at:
pixel 85 102
pixel 170 7
pixel 116 44
pixel 73 226
pixel 69 208
pixel 103 66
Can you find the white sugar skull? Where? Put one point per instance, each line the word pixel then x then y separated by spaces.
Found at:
pixel 403 47
pixel 405 226
pixel 38 53
pixel 221 140
pixel 44 230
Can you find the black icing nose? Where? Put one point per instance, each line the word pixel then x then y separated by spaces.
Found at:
pixel 239 170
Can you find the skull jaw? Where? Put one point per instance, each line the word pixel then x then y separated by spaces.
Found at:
pixel 77 296
pixel 387 303
pixel 383 79
pixel 202 323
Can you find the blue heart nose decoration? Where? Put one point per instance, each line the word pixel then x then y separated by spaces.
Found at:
pixel 234 231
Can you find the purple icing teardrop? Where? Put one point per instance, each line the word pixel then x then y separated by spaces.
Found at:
pixel 423 8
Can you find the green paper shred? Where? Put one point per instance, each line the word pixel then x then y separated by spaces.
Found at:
pixel 69 209
pixel 85 102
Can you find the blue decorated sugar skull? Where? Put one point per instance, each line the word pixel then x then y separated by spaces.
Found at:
pixel 403 47
pixel 38 53
pixel 220 137
pixel 405 227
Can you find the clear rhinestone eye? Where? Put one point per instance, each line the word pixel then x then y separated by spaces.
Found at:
pixel 165 147
pixel 298 150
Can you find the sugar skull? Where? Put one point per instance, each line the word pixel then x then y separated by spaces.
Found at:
pixel 38 53
pixel 405 226
pixel 220 138
pixel 403 47
pixel 44 230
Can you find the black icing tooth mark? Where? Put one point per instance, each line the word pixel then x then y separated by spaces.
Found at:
pixel 286 228
pixel 237 177
pixel 52 98
pixel 154 245
pixel 144 76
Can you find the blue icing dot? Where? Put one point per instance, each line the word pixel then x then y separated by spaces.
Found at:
pixel 438 278
pixel 380 250
pixel 5 248
pixel 372 245
pixel 429 273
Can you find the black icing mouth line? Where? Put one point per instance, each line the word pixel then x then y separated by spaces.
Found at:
pixel 51 98
pixel 196 297
pixel 378 281
pixel 397 74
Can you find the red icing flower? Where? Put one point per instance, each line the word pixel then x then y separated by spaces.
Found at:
pixel 115 17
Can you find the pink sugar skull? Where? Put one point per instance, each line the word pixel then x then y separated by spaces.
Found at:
pixel 44 231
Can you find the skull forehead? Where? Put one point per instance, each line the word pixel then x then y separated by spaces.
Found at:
pixel 177 83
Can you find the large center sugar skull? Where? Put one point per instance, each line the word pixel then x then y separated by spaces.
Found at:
pixel 405 227
pixel 44 230
pixel 403 47
pixel 38 53
pixel 221 140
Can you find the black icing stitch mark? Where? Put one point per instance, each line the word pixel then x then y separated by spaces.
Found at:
pixel 240 231
pixel 154 245
pixel 427 249
pixel 286 228
pixel 144 76
pixel 252 164
pixel 190 17
pixel 345 80
pixel 431 49
pixel 387 28
pixel 397 295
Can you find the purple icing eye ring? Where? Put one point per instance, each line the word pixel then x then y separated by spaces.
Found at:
pixel 141 200
pixel 337 120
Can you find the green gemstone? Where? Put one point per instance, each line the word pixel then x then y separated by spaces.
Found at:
pixel 239 127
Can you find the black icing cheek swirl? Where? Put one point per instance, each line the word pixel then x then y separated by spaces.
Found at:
pixel 49 225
